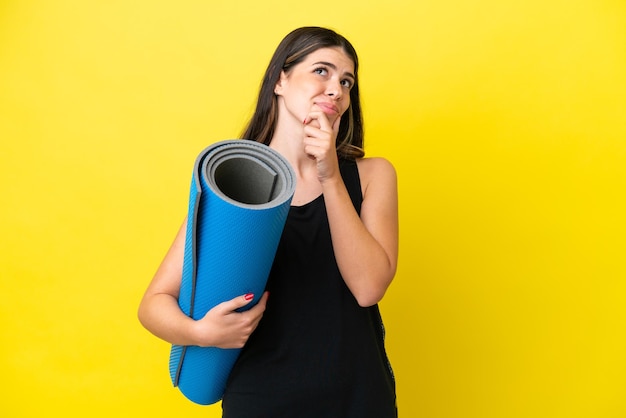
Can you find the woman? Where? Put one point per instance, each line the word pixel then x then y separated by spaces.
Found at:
pixel 316 347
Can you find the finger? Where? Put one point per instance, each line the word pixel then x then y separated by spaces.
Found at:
pixel 322 121
pixel 252 317
pixel 260 305
pixel 263 301
pixel 336 126
pixel 236 303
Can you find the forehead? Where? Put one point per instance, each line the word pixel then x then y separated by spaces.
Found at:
pixel 336 56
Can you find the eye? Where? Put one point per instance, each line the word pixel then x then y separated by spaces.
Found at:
pixel 321 71
pixel 347 83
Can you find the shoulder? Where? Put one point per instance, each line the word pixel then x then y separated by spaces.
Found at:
pixel 376 172
pixel 375 168
pixel 375 164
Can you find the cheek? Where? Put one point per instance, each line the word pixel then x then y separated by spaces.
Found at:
pixel 346 107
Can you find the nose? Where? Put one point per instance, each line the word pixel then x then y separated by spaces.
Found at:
pixel 334 89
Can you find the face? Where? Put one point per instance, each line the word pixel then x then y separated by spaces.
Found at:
pixel 321 82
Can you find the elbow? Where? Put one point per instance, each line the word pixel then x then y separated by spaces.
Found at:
pixel 142 313
pixel 374 293
pixel 369 286
pixel 371 299
pixel 371 295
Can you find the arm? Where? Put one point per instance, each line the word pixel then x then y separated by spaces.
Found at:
pixel 160 313
pixel 366 247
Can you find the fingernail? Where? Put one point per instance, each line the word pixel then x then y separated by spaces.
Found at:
pixel 248 296
pixel 304 121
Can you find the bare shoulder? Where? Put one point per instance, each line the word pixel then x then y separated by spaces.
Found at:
pixel 376 172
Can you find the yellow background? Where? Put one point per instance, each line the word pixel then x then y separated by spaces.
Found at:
pixel 506 121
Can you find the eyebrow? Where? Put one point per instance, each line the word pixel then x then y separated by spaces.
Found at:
pixel 334 67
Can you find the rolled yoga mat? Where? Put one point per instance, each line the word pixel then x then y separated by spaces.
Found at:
pixel 239 199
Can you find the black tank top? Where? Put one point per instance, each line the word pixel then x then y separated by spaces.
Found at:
pixel 316 353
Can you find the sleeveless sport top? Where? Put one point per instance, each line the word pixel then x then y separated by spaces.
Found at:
pixel 316 353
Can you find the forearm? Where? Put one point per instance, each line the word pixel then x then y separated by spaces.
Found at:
pixel 365 264
pixel 160 314
pixel 222 326
pixel 158 311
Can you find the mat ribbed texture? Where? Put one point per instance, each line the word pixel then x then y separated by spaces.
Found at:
pixel 238 204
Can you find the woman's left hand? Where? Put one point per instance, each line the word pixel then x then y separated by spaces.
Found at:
pixel 319 143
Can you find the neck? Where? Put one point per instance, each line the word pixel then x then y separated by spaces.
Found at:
pixel 288 141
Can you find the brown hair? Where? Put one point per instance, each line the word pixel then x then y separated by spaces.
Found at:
pixel 292 50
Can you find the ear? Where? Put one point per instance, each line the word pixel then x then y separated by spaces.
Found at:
pixel 280 84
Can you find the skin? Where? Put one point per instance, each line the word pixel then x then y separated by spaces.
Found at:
pixel 312 97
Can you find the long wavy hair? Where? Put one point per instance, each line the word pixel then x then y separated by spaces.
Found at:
pixel 291 51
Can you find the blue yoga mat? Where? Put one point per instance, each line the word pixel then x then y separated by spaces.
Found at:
pixel 239 199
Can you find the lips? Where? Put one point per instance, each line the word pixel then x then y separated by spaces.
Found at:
pixel 328 108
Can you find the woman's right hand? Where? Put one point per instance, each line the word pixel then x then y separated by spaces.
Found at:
pixel 224 327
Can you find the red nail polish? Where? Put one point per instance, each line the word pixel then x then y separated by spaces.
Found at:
pixel 248 296
pixel 304 121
